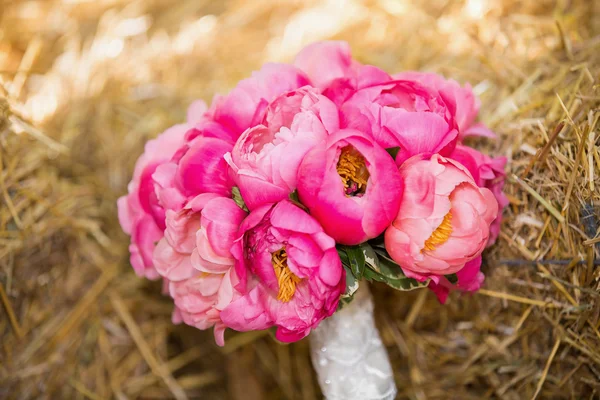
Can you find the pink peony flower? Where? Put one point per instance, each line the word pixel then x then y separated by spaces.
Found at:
pixel 403 114
pixel 194 257
pixel 266 158
pixel 470 279
pixel 245 105
pixel 443 221
pixel 416 112
pixel 304 111
pixel 290 273
pixel 351 186
pixel 488 173
pixel 330 67
pixel 221 219
pixel 208 127
pixel 324 62
pixel 198 167
pixel 465 103
pixel 172 255
pixel 200 299
pixel 140 213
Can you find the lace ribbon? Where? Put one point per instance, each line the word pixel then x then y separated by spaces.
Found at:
pixel 348 355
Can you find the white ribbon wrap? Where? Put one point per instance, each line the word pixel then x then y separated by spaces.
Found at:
pixel 348 355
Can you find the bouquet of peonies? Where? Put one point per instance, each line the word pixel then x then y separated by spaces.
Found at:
pixel 270 207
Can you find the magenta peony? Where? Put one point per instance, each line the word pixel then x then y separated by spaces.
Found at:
pixel 351 186
pixel 330 67
pixel 325 62
pixel 464 102
pixel 197 167
pixel 290 273
pixel 444 218
pixel 266 158
pixel 140 213
pixel 403 114
pixel 245 105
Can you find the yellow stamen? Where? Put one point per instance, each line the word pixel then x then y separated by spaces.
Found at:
pixel 441 234
pixel 285 278
pixel 353 171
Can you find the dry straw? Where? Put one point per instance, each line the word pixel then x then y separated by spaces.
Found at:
pixel 86 83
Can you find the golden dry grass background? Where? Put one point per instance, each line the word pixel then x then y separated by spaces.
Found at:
pixel 83 84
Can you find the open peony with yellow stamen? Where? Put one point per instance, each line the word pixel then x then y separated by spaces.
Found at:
pixel 353 171
pixel 443 221
pixel 291 275
pixel 286 279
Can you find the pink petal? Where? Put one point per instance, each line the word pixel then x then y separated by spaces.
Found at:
pixel 195 111
pixel 247 313
pixel 421 132
pixel 203 169
pixel 324 61
pixel 171 264
pixel 245 105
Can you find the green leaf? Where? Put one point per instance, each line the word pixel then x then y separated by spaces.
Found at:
pixel 371 259
pixel 294 196
pixel 406 284
pixel 344 301
pixel 296 200
pixel 393 151
pixel 237 197
pixel 343 256
pixel 371 276
pixel 352 285
pixel 388 267
pixel 389 272
pixel 382 253
pixel 453 278
pixel 378 241
pixel 356 257
pixel 402 283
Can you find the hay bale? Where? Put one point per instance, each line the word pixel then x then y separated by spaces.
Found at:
pixel 86 91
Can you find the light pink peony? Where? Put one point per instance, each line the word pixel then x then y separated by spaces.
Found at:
pixel 194 257
pixel 465 103
pixel 351 186
pixel 140 213
pixel 245 105
pixel 173 253
pixel 488 173
pixel 403 114
pixel 266 158
pixel 443 221
pixel 290 273
pixel 304 111
pixel 469 279
pixel 200 299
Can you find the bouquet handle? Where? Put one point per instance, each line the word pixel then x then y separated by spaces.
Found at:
pixel 348 355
